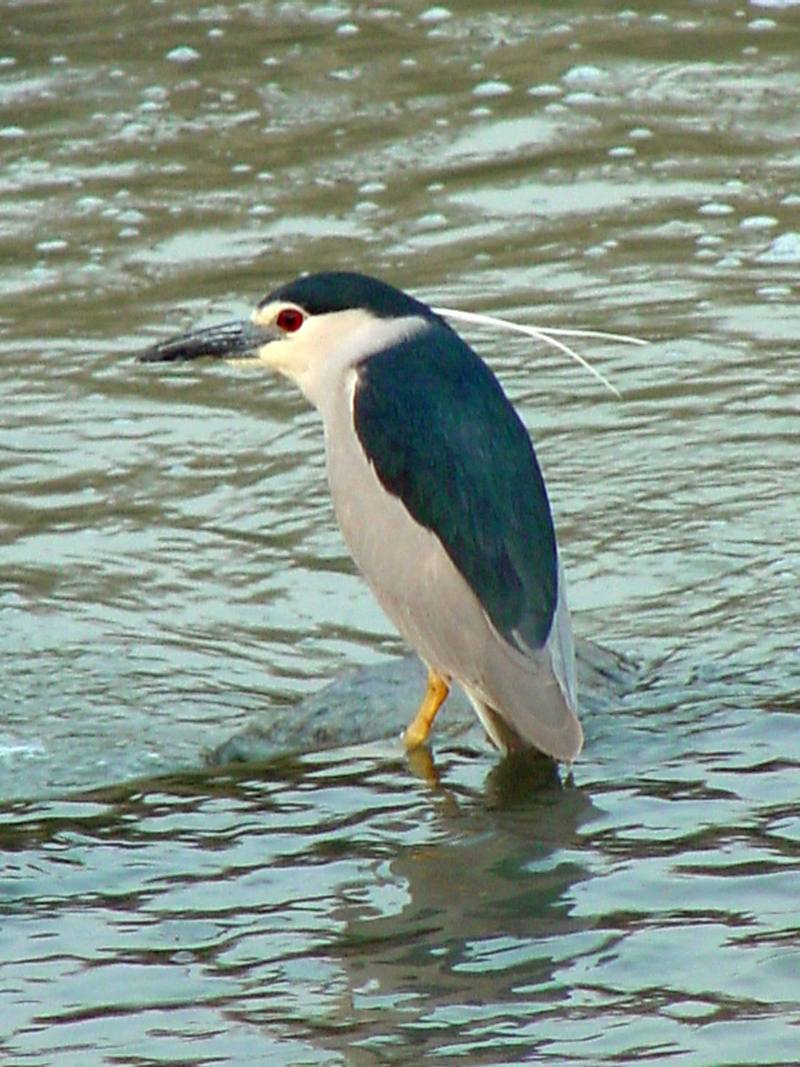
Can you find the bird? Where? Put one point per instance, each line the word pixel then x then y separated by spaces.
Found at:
pixel 438 493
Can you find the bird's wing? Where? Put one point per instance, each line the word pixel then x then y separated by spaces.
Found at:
pixel 443 437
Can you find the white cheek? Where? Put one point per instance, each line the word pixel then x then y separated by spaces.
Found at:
pixel 318 356
pixel 279 355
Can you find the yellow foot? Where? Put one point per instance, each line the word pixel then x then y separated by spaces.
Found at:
pixel 418 730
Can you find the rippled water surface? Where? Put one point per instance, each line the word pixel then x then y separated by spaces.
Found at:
pixel 170 570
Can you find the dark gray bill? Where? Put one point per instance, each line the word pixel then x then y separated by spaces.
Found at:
pixel 229 340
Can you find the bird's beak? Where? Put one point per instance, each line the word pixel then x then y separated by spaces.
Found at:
pixel 229 340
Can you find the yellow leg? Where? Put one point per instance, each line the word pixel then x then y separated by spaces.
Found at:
pixel 435 696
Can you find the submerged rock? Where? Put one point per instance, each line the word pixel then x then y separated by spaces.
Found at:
pixel 376 703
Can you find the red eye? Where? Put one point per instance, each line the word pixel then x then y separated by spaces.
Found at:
pixel 290 319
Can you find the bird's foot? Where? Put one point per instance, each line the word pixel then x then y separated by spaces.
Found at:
pixel 417 731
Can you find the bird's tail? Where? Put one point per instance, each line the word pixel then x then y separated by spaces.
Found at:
pixel 510 740
pixel 502 736
pixel 530 702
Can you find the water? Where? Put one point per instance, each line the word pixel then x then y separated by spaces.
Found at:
pixel 170 572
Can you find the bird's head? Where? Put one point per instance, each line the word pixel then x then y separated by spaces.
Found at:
pixel 314 325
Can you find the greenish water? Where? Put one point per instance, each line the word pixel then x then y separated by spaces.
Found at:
pixel 170 570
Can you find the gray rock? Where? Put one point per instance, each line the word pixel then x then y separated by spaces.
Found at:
pixel 376 703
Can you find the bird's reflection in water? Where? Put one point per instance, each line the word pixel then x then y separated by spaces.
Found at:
pixel 513 779
pixel 473 918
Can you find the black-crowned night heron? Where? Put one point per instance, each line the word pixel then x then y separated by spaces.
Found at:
pixel 438 493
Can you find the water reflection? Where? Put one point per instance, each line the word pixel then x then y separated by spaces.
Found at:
pixel 447 893
pixel 475 933
pixel 334 900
